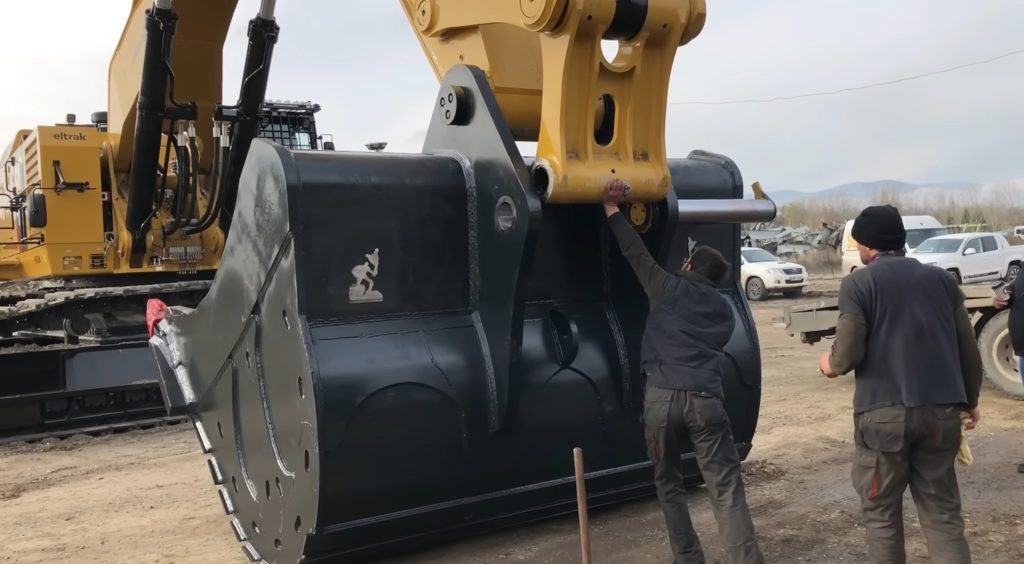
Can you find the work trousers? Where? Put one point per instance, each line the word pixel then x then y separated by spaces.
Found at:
pixel 897 447
pixel 672 417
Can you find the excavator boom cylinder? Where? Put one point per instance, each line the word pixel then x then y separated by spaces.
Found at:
pixel 160 24
pixel 263 34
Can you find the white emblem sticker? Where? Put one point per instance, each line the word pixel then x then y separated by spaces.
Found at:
pixel 362 290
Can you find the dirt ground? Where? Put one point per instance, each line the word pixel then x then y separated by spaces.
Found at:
pixel 146 497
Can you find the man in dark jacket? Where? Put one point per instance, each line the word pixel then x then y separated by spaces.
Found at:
pixel 904 331
pixel 1012 296
pixel 688 326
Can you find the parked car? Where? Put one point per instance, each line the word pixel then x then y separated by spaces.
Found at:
pixel 973 257
pixel 762 273
pixel 919 229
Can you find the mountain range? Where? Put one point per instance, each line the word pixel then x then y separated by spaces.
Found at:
pixel 861 192
pixel 864 191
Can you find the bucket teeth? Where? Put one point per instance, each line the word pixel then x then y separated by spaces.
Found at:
pixel 250 552
pixel 215 473
pixel 204 439
pixel 236 528
pixel 225 500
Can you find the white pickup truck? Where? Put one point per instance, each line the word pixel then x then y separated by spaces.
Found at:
pixel 972 257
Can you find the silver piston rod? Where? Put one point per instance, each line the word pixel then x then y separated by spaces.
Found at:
pixel 727 211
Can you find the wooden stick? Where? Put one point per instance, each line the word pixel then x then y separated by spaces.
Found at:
pixel 581 505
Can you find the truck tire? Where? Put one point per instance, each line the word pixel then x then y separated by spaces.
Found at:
pixel 1012 272
pixel 956 275
pixel 756 290
pixel 997 356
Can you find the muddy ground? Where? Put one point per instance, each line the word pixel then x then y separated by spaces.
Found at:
pixel 146 497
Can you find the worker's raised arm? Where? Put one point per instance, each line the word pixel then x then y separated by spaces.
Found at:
pixel 652 276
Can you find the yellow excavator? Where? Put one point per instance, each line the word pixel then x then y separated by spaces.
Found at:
pixel 97 218
pixel 403 348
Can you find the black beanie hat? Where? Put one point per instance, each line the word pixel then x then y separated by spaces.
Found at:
pixel 880 228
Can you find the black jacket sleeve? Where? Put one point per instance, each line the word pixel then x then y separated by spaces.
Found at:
pixel 653 277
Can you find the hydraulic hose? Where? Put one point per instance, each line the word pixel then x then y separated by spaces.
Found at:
pixel 184 177
pixel 158 198
pixel 212 211
pixel 193 194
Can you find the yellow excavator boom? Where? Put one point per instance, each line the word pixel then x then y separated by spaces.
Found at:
pixel 593 119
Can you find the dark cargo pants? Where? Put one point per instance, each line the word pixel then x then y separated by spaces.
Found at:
pixel 897 447
pixel 672 417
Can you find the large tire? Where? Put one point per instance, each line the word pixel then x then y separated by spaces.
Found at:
pixel 997 356
pixel 756 290
pixel 956 275
pixel 1012 272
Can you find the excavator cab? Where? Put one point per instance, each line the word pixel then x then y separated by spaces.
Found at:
pixel 399 349
pixel 290 124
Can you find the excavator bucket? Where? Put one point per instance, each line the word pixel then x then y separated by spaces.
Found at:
pixel 402 349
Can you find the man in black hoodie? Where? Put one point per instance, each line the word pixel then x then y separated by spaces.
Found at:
pixel 688 326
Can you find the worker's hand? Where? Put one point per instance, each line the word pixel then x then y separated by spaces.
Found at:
pixel 973 418
pixel 825 366
pixel 999 303
pixel 614 195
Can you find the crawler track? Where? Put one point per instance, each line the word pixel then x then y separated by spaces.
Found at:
pixel 95 430
pixel 74 357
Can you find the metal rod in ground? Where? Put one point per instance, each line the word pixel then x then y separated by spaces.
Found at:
pixel 581 505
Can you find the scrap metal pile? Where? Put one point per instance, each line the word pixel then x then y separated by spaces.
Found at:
pixel 792 241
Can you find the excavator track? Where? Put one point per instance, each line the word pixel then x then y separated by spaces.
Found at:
pixel 96 430
pixel 74 358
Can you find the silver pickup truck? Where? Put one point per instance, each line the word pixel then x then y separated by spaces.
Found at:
pixel 972 257
pixel 816 321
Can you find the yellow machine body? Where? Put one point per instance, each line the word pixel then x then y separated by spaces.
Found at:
pixel 74 241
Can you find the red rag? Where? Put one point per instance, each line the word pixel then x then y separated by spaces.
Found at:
pixel 156 310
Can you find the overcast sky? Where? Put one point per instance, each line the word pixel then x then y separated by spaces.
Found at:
pixel 360 60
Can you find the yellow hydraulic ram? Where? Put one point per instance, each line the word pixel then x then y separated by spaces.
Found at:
pixel 593 119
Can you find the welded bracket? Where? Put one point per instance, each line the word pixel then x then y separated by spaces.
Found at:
pixel 504 214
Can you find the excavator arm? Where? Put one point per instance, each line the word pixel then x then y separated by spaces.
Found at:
pixel 593 119
pixel 164 89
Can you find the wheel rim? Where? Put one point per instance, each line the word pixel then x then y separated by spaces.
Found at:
pixel 1005 360
pixel 755 289
pixel 1013 273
